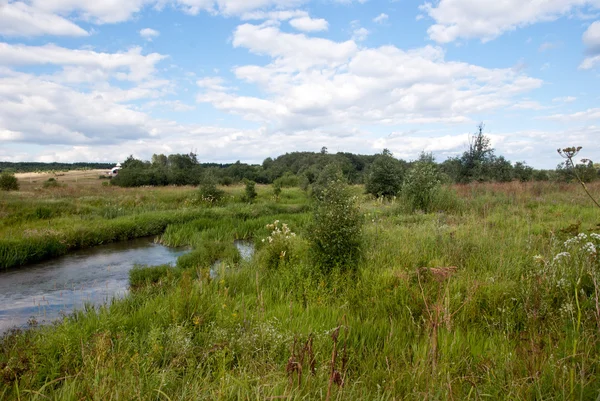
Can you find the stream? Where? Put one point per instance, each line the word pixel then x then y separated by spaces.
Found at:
pixel 45 291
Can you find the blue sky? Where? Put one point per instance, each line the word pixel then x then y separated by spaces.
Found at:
pixel 97 80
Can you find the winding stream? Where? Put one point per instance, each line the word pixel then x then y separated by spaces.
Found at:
pixel 44 291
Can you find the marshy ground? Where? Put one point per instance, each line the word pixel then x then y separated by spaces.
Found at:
pixel 494 296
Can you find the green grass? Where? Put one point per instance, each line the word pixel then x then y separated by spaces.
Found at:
pixel 502 325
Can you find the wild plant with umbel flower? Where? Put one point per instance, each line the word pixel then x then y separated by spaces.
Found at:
pixel 572 275
pixel 278 245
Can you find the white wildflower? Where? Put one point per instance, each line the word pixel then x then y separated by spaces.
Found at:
pixel 562 255
pixel 590 248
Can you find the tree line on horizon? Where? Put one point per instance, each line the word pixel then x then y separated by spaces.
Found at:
pixel 479 163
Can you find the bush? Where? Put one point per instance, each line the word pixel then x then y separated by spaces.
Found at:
pixel 421 185
pixel 250 191
pixel 278 246
pixel 385 176
pixel 288 180
pixel 336 231
pixel 209 193
pixel 8 182
pixel 276 189
pixel 51 183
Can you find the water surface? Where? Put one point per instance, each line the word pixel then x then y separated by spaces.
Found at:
pixel 44 291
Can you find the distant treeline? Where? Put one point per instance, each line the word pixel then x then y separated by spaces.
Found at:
pixel 30 167
pixel 477 164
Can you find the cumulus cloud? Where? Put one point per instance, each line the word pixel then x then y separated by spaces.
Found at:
pixel 314 82
pixel 360 34
pixel 585 115
pixel 149 33
pixel 485 20
pixel 564 99
pixel 130 65
pixel 381 18
pixel 591 39
pixel 308 24
pixel 20 19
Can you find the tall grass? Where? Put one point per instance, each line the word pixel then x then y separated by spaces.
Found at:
pixel 460 304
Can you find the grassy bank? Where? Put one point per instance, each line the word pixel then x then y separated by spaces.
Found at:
pixel 49 222
pixel 478 301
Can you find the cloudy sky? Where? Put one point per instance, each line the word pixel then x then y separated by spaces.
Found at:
pixel 97 80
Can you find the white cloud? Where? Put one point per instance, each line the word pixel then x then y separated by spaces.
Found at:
pixel 44 112
pixel 549 46
pixel 282 15
pixel 527 105
pixel 381 18
pixel 565 99
pixel 586 115
pixel 486 20
pixel 360 34
pixel 149 33
pixel 129 65
pixel 314 82
pixel 20 19
pixel 591 39
pixel 308 24
pixel 97 11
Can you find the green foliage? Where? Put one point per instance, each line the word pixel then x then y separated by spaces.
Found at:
pixel 277 249
pixel 336 230
pixel 141 276
pixel 385 176
pixel 208 191
pixel 288 180
pixel 421 184
pixel 249 191
pixel 523 172
pixel 492 302
pixel 8 182
pixel 276 189
pixel 51 183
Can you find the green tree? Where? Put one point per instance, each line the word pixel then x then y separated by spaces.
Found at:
pixel 385 176
pixel 523 172
pixel 250 191
pixel 8 182
pixel 336 230
pixel 475 162
pixel 421 184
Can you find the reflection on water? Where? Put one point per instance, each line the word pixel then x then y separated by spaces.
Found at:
pixel 44 291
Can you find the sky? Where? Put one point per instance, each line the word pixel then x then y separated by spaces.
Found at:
pixel 99 80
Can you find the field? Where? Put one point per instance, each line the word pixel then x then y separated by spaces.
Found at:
pixel 494 296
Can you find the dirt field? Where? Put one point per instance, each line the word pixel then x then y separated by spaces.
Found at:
pixel 79 177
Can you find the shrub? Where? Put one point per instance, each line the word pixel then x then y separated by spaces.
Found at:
pixel 278 246
pixel 385 176
pixel 288 180
pixel 421 185
pixel 336 230
pixel 276 189
pixel 250 191
pixel 51 183
pixel 8 182
pixel 226 181
pixel 208 192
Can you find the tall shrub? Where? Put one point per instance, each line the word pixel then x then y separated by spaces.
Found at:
pixel 421 185
pixel 336 230
pixel 8 182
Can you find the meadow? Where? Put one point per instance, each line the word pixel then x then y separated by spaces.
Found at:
pixel 494 295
